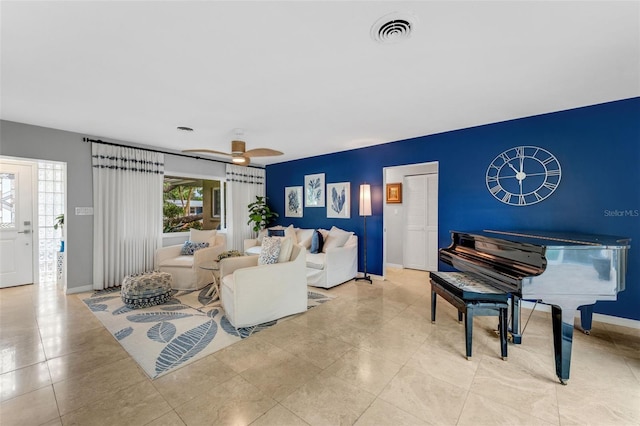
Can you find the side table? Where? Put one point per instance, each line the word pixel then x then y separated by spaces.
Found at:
pixel 214 291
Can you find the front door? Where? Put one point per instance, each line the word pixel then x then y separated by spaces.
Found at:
pixel 16 224
pixel 421 222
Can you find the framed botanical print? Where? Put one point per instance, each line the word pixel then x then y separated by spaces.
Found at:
pixel 314 190
pixel 293 201
pixel 394 193
pixel 339 200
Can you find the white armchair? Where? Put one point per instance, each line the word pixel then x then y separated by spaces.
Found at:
pixel 185 269
pixel 253 294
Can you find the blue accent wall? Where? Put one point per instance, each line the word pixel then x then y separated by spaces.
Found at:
pixel 598 148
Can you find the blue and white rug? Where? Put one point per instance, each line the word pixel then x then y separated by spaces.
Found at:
pixel 164 337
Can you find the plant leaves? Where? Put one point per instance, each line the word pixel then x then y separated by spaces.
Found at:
pixel 162 332
pixel 157 316
pixel 186 346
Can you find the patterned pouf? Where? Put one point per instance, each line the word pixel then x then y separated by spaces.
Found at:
pixel 146 289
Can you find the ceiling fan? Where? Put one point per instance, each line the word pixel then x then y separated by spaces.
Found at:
pixel 239 155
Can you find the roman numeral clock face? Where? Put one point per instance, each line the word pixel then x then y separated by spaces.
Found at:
pixel 523 175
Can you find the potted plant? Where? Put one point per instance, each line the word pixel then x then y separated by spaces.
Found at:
pixel 59 223
pixel 260 214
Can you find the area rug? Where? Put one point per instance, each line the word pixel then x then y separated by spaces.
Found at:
pixel 186 328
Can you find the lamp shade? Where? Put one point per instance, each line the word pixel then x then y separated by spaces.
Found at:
pixel 365 199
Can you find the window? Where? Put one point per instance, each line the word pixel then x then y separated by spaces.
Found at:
pixel 193 203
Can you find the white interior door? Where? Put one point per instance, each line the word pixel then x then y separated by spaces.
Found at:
pixel 420 248
pixel 16 224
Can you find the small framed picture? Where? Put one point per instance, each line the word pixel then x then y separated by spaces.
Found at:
pixel 293 201
pixel 394 193
pixel 339 200
pixel 314 190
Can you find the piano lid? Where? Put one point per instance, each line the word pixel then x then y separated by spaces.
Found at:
pixel 555 239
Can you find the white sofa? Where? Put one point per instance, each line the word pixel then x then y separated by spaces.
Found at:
pixel 335 265
pixel 185 269
pixel 253 294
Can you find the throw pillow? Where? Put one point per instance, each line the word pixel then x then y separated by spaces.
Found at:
pixel 304 237
pixel 286 247
pixel 317 241
pixel 290 231
pixel 275 233
pixel 190 247
pixel 270 251
pixel 336 238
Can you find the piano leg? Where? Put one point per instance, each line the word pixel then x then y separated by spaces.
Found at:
pixel 433 305
pixel 586 318
pixel 562 340
pixel 516 336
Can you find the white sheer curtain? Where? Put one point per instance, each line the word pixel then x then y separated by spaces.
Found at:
pixel 243 185
pixel 127 212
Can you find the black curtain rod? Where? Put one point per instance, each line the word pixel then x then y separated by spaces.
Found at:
pixel 195 157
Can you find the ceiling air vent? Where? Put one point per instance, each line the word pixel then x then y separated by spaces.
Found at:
pixel 393 28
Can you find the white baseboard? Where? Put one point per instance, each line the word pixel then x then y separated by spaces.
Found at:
pixel 607 319
pixel 82 289
pixel 395 265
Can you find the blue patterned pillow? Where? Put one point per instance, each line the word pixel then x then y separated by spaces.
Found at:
pixel 275 232
pixel 317 241
pixel 270 250
pixel 189 248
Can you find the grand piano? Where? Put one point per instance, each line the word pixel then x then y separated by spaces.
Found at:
pixel 564 270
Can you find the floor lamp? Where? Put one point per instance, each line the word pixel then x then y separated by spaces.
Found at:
pixel 365 210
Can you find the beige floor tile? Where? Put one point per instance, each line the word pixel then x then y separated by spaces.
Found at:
pixel 247 353
pixel 136 405
pixel 363 339
pixel 80 363
pixel 170 419
pixel 79 391
pixel 279 416
pixel 318 349
pixel 65 343
pixel 193 380
pixel 509 383
pixel 235 402
pixel 443 365
pixel 424 396
pixel 328 401
pixel 19 352
pixel 381 413
pixel 24 380
pixel 479 410
pixel 33 408
pixel 583 403
pixel 389 343
pixel 364 370
pixel 279 375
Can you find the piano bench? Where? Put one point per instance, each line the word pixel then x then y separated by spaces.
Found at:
pixel 471 295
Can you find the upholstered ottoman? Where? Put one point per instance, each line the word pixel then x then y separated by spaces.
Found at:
pixel 146 289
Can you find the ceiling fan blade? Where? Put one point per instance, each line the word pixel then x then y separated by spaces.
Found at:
pixel 262 152
pixel 208 151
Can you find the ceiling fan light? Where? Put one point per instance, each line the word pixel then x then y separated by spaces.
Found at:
pixel 238 159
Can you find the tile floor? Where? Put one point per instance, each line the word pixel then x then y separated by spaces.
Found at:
pixel 369 357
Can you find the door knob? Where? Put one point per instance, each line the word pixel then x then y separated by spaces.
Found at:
pixel 26 231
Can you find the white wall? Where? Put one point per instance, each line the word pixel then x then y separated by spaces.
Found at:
pixel 35 142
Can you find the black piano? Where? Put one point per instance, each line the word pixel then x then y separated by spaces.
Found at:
pixel 564 270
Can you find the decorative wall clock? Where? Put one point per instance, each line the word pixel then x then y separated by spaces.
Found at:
pixel 523 175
